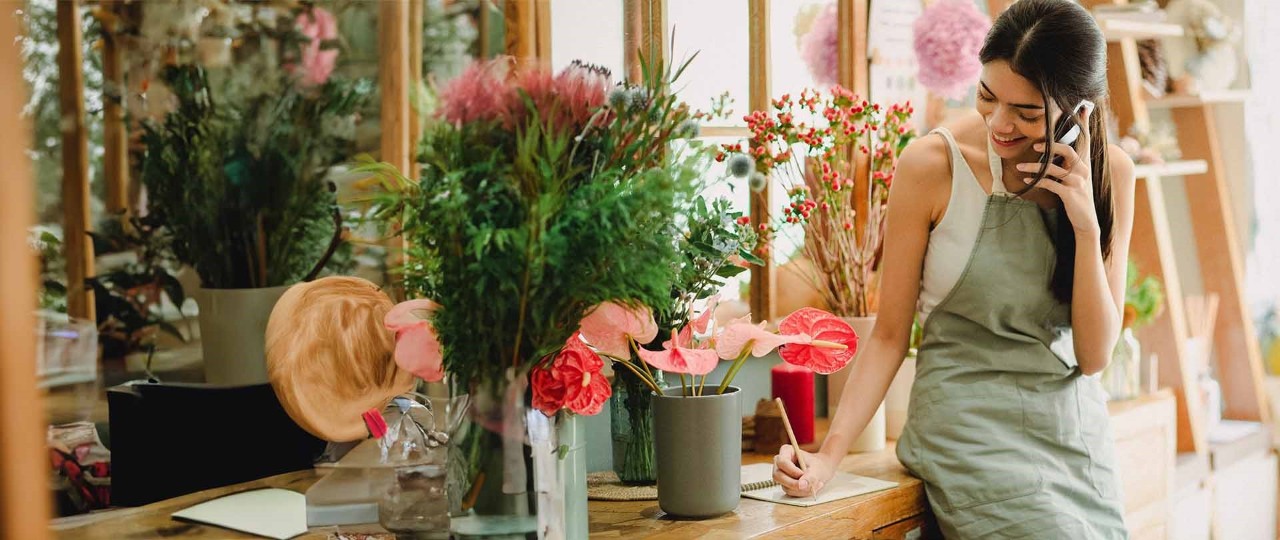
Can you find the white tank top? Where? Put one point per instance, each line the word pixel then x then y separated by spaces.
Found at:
pixel 951 241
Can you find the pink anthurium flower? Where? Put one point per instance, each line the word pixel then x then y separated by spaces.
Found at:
pixel 679 359
pixel 417 347
pixel 700 324
pixel 609 326
pixel 736 337
pixel 833 346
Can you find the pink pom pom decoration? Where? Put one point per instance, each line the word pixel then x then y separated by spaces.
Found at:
pixel 948 36
pixel 820 47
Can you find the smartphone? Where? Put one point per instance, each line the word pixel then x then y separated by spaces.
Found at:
pixel 1068 128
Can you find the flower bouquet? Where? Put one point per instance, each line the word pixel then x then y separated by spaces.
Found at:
pixel 542 196
pixel 816 165
pixel 697 429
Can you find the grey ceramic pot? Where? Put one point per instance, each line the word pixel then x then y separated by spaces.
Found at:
pixel 698 447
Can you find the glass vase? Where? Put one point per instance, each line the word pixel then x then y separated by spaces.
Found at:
pixel 631 424
pixel 1122 378
pixel 502 473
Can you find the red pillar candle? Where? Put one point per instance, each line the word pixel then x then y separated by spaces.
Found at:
pixel 794 384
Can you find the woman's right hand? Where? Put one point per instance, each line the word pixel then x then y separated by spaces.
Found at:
pixel 801 483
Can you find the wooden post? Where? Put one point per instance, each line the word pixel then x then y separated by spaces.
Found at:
pixel 528 36
pixel 415 81
pixel 24 492
pixel 75 161
pixel 393 77
pixel 1124 79
pixel 644 34
pixel 764 278
pixel 1222 268
pixel 852 15
pixel 115 142
pixel 1153 251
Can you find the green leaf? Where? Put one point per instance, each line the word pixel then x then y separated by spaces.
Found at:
pixel 750 257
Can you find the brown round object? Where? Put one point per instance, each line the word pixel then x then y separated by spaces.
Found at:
pixel 329 356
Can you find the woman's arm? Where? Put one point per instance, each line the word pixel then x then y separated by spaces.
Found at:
pixel 920 188
pixel 1098 288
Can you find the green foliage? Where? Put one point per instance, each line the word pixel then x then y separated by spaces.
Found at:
pixel 53 270
pixel 241 181
pixel 1144 297
pixel 128 299
pixel 517 233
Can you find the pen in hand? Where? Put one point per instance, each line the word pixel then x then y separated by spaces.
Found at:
pixel 791 436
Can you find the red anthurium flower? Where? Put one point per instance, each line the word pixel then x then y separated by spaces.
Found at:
pixel 609 326
pixel 736 337
pixel 572 380
pixel 833 346
pixel 417 347
pixel 677 358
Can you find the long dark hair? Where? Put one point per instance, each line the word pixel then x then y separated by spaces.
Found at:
pixel 1057 46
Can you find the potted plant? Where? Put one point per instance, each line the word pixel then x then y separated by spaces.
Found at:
pixel 811 146
pixel 698 430
pixel 129 297
pixel 542 196
pixel 240 182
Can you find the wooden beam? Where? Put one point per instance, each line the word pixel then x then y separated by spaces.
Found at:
pixel 484 26
pixel 24 501
pixel 853 75
pixel 1152 250
pixel 394 78
pixel 764 278
pixel 115 141
pixel 644 34
pixel 415 81
pixel 521 39
pixel 542 28
pixel 1124 78
pixel 1221 259
pixel 75 161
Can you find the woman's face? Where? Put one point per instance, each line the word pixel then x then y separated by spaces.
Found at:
pixel 1013 109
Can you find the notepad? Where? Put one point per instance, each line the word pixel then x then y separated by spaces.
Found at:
pixel 273 513
pixel 757 483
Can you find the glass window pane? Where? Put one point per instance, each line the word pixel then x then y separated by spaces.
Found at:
pixel 590 31
pixel 716 30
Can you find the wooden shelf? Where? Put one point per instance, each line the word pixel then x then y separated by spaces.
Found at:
pixel 1171 169
pixel 1204 98
pixel 1118 28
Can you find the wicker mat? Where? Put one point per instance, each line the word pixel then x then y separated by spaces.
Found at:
pixel 605 486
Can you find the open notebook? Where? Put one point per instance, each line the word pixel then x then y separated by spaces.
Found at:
pixel 757 483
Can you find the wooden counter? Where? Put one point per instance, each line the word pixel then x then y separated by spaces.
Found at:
pixel 1145 453
pixel 887 514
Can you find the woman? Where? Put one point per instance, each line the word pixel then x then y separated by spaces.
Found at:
pixel 1009 438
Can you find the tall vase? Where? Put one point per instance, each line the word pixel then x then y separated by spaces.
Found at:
pixel 872 438
pixel 503 473
pixel 897 400
pixel 631 428
pixel 571 430
pixel 698 443
pixel 233 327
pixel 1122 377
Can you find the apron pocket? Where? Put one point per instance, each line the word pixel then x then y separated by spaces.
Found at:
pixel 1095 429
pixel 975 451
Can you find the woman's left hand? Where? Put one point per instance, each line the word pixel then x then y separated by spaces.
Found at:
pixel 1073 182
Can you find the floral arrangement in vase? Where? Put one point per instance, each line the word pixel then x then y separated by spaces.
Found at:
pixel 542 197
pixel 1143 301
pixel 816 165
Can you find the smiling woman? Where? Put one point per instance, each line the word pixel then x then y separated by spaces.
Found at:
pixel 1035 307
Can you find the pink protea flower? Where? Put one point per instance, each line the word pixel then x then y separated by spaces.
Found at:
pixel 566 101
pixel 948 36
pixel 481 92
pixel 319 25
pixel 820 47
